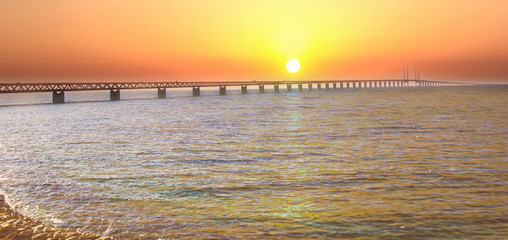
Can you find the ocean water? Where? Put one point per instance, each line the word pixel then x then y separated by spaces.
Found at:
pixel 400 163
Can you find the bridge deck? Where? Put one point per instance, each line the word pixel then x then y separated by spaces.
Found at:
pixel 51 87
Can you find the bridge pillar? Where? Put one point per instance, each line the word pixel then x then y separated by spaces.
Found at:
pixel 319 86
pixel 327 86
pixel 341 85
pixel 300 87
pixel 334 86
pixel 289 88
pixel 58 97
pixel 347 85
pixel 370 84
pixel 310 86
pixel 261 88
pixel 276 88
pixel 114 94
pixel 354 84
pixel 161 92
pixel 195 92
pixel 244 89
pixel 222 90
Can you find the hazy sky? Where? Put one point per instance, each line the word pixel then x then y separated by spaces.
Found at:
pixel 90 40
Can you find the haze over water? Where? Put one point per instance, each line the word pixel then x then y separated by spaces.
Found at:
pixel 405 163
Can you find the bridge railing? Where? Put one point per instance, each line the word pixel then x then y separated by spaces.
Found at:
pixel 50 87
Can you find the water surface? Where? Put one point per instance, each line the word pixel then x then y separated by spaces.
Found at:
pixel 402 163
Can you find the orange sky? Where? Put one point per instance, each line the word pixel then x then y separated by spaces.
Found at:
pixel 127 40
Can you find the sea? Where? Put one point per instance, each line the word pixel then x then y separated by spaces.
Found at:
pixel 380 163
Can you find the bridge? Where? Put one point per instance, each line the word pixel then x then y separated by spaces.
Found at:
pixel 59 89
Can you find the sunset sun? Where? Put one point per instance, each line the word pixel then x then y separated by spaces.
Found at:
pixel 293 65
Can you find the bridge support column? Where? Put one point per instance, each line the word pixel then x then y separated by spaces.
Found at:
pixel 244 89
pixel 261 88
pixel 195 92
pixel 222 90
pixel 347 85
pixel 58 97
pixel 319 86
pixel 341 85
pixel 327 86
pixel 161 92
pixel 276 88
pixel 114 94
pixel 300 87
pixel 289 88
pixel 354 85
pixel 310 86
pixel 370 84
pixel 334 86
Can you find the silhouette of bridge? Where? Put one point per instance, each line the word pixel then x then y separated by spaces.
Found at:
pixel 59 89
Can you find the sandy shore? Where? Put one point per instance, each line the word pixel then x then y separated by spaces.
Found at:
pixel 16 226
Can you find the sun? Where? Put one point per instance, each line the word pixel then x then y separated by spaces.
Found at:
pixel 293 65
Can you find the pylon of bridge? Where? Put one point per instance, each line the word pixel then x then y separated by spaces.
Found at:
pixel 114 94
pixel 58 97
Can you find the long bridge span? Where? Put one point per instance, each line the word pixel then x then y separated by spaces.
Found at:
pixel 59 89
